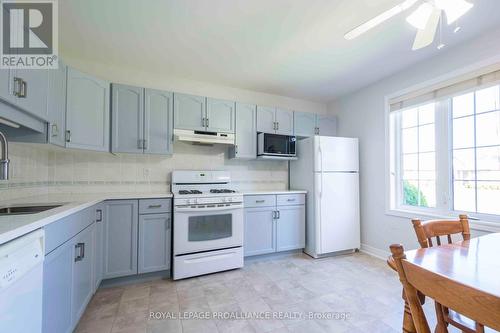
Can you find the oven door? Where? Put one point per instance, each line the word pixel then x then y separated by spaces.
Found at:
pixel 208 228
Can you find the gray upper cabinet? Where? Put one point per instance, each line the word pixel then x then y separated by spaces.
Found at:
pixel 32 96
pixel 326 125
pixel 305 124
pixel 56 105
pixel 266 119
pixel 284 122
pixel 246 132
pixel 158 122
pixel 87 112
pixel 6 87
pixel 291 228
pixel 154 242
pixel 127 116
pixel 189 112
pixel 220 116
pixel 120 238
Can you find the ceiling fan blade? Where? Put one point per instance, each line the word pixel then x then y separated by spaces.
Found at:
pixel 425 37
pixel 370 24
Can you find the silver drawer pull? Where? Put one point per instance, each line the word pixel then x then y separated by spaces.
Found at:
pixel 154 206
pixel 291 200
pixel 260 201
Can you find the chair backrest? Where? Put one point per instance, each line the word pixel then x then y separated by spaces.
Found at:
pixel 436 228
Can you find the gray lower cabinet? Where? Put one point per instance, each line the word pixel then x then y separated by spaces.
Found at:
pixel 87 111
pixel 56 105
pixel 57 289
pixel 189 112
pixel 158 121
pixel 154 242
pixel 326 125
pixel 290 228
pixel 246 132
pixel 220 116
pixel 274 223
pixel 98 245
pixel 305 124
pixel 120 238
pixel 83 282
pixel 260 231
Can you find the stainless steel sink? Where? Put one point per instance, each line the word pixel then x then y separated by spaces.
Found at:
pixel 20 210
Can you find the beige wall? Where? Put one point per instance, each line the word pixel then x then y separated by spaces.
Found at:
pixel 40 169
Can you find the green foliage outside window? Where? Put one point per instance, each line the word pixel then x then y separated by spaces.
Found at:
pixel 411 195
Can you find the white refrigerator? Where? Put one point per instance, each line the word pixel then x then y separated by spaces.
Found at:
pixel 328 168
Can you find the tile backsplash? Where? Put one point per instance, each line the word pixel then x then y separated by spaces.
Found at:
pixel 40 169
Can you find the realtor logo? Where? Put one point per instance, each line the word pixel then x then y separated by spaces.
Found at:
pixel 29 34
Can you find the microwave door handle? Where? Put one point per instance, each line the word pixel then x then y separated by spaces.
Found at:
pixel 209 209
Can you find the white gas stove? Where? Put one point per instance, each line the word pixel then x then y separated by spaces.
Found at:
pixel 208 223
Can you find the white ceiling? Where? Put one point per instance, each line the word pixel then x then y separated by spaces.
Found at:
pixel 286 47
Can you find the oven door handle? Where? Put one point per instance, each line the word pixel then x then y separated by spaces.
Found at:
pixel 209 209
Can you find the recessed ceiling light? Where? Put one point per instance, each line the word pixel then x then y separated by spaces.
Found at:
pixel 457 29
pixel 440 46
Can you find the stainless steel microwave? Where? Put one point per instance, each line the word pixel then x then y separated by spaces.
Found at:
pixel 275 145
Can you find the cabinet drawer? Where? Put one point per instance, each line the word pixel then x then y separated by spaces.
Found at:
pixel 153 206
pixel 291 199
pixel 259 201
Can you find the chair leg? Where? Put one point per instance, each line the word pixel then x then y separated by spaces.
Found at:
pixel 479 328
pixel 408 325
pixel 442 326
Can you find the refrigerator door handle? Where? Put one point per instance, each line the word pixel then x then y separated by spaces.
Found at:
pixel 320 153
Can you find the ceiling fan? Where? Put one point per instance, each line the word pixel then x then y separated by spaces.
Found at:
pixel 425 18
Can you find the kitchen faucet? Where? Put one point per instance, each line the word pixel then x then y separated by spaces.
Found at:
pixel 4 158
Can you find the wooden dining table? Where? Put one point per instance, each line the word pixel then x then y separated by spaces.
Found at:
pixel 463 276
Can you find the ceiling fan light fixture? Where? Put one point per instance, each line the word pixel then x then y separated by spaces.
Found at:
pixel 420 16
pixel 454 9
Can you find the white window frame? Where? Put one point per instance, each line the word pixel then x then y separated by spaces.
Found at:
pixel 444 205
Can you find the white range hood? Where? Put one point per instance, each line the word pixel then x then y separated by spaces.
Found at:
pixel 204 137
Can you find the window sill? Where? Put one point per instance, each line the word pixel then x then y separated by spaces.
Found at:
pixel 479 225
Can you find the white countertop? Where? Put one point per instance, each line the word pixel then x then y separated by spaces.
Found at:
pixel 14 226
pixel 274 192
pixel 17 225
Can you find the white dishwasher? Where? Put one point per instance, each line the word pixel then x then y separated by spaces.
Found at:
pixel 21 279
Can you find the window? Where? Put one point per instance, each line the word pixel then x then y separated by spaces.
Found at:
pixel 445 153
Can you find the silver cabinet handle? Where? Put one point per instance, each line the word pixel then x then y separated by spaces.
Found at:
pixel 17 86
pixel 278 214
pixel 24 89
pixel 277 126
pixel 68 136
pixel 207 120
pixel 79 251
pixel 203 122
pixel 260 201
pixel 274 215
pixel 145 144
pixel 139 144
pixel 154 206
pixel 291 200
pixel 99 215
pixel 54 130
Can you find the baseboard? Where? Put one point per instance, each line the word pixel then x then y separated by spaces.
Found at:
pixel 374 252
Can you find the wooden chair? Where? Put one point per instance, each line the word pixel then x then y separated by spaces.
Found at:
pixel 412 297
pixel 435 229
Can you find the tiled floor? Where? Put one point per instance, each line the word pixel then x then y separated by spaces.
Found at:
pixel 359 285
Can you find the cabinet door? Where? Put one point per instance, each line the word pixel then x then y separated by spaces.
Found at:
pixel 127 114
pixel 7 86
pixel 291 228
pixel 98 245
pixel 120 238
pixel 189 112
pixel 305 124
pixel 246 132
pixel 220 115
pixel 83 283
pixel 57 284
pixel 154 242
pixel 87 112
pixel 158 127
pixel 56 105
pixel 326 125
pixel 260 231
pixel 266 119
pixel 284 120
pixel 34 91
